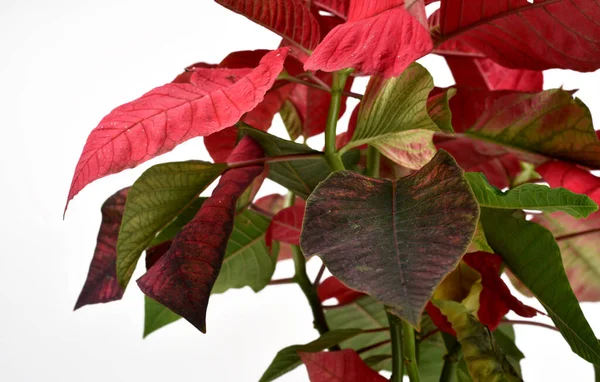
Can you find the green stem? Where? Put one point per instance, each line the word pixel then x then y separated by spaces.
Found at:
pixel 451 363
pixel 373 160
pixel 397 349
pixel 597 372
pixel 337 87
pixel 309 290
pixel 409 352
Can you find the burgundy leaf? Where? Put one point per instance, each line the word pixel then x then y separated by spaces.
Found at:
pixel 334 288
pixel 518 34
pixel 291 19
pixel 153 254
pixel 182 279
pixel 101 284
pixel 338 8
pixel 343 366
pixel 358 44
pixel 286 226
pixel 171 114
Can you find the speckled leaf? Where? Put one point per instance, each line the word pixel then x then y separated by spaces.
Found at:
pixel 183 278
pixel 394 240
pixel 101 284
pixel 291 19
pixel 300 176
pixel 530 197
pixel 550 124
pixel 247 260
pixel 342 366
pixel 159 195
pixel 485 360
pixel 156 316
pixel 531 253
pixel 288 359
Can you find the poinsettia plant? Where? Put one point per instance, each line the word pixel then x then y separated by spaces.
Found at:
pixel 416 208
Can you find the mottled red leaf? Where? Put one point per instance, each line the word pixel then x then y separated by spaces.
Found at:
pixel 182 279
pixel 291 19
pixel 171 114
pixel 343 366
pixel 153 254
pixel 358 44
pixel 331 287
pixel 285 227
pixel 101 284
pixel 518 34
pixel 476 156
pixel 394 240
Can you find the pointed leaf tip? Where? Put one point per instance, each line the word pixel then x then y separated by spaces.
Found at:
pixel 392 240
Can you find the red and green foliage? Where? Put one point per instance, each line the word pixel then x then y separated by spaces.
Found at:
pixel 416 209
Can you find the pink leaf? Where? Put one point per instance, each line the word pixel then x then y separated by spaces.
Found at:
pixel 518 34
pixel 182 278
pixel 291 19
pixel 574 178
pixel 342 366
pixel 338 8
pixel 333 288
pixel 171 114
pixel 358 44
pixel 101 284
pixel 286 225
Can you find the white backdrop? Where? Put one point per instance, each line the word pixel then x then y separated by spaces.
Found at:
pixel 64 64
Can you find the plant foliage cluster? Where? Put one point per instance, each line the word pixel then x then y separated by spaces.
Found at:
pixel 416 209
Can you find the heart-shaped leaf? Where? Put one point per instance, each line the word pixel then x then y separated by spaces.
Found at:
pixel 343 366
pixel 391 240
pixel 171 114
pixel 101 284
pixel 159 195
pixel 523 245
pixel 183 278
pixel 345 46
pixel 519 34
pixel 530 197
pixel 291 19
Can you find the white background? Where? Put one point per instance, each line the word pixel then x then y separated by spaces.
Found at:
pixel 64 64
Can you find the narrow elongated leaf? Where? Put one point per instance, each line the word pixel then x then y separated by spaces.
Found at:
pixel 518 34
pixel 550 124
pixel 288 359
pixel 247 260
pixel 291 19
pixel 101 284
pixel 346 46
pixel 183 278
pixel 171 114
pixel 391 240
pixel 158 196
pixel 530 197
pixel 343 366
pixel 300 176
pixel 156 316
pixel 531 253
pixel 485 360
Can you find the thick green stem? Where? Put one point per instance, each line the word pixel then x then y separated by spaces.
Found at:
pixel 373 160
pixel 397 356
pixel 409 352
pixel 451 360
pixel 597 371
pixel 310 291
pixel 337 87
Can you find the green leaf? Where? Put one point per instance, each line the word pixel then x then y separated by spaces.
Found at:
pixel 438 106
pixel 155 199
pixel 479 242
pixel 387 233
pixel 531 197
pixel 485 360
pixel 549 124
pixel 180 221
pixel 300 176
pixel 291 119
pixel 247 260
pixel 156 316
pixel 532 254
pixel 363 313
pixel 287 359
pixel 392 107
pixel 505 338
pixel 578 242
pixel 431 358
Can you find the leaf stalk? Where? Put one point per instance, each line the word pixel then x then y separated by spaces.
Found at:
pixel 337 87
pixel 373 161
